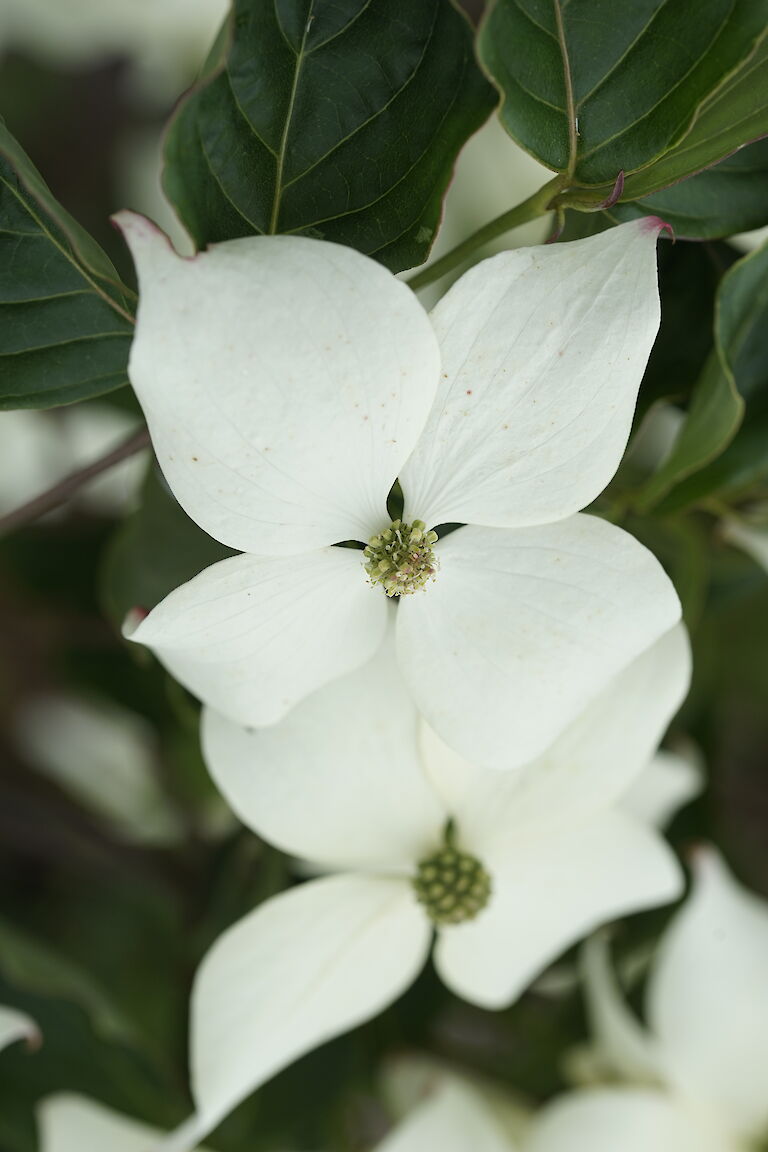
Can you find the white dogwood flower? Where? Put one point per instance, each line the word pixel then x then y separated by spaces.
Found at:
pixel 703 1062
pixel 508 868
pixel 287 382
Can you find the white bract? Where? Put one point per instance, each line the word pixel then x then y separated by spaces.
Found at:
pixel 673 778
pixel 287 382
pixel 750 538
pixel 453 1118
pixel 15 1025
pixel 510 868
pixel 704 1058
pixel 106 757
pixel 70 1123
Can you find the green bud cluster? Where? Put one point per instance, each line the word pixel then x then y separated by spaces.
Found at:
pixel 452 885
pixel 401 558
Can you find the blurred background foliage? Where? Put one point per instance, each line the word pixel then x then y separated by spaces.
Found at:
pixel 108 898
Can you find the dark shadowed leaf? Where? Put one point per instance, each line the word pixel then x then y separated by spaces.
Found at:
pixel 33 967
pixel 154 551
pixel 735 377
pixel 339 120
pixel 730 197
pixel 66 320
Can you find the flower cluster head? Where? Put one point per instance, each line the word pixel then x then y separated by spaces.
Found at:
pixel 288 383
pixel 453 886
pixel 401 558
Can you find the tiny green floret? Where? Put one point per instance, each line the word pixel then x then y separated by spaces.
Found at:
pixel 401 558
pixel 452 885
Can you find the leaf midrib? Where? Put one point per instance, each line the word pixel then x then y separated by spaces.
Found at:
pixel 81 269
pixel 274 218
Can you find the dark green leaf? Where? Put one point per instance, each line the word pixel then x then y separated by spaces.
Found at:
pixel 33 967
pixel 740 472
pixel 735 376
pixel 713 418
pixel 741 326
pixel 157 549
pixel 657 89
pixel 730 197
pixel 340 121
pixel 65 319
pixel 735 114
pixel 689 275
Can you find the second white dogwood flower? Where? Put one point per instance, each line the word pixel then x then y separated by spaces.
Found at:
pixel 508 868
pixel 288 382
pixel 697 1079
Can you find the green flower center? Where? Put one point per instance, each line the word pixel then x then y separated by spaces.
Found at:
pixel 452 885
pixel 401 558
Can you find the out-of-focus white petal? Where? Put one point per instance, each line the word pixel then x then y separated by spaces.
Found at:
pixel 623 1120
pixel 522 628
pixel 543 350
pixel 708 997
pixel 408 1078
pixel 105 756
pixel 548 896
pixel 454 1119
pixel 668 783
pixel 32 456
pixel 38 449
pixel 252 636
pixel 339 780
pixel 586 769
pixel 299 970
pixel 749 241
pixel 751 539
pixel 15 1025
pixel 622 1047
pixel 165 43
pixel 284 380
pixel 655 438
pixel 70 1123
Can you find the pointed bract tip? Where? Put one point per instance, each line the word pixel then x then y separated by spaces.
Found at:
pixel 141 234
pixel 656 225
pixel 702 859
pixel 135 617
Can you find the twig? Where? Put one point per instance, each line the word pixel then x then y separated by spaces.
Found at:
pixel 66 488
pixel 530 209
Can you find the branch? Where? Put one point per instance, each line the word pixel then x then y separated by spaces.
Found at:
pixel 72 484
pixel 537 205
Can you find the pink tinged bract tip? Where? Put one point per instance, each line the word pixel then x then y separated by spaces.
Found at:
pixel 657 225
pixel 132 620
